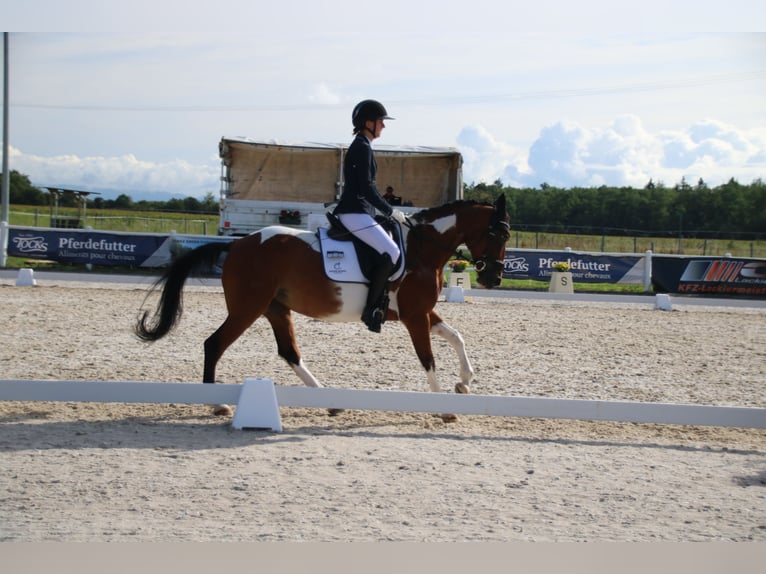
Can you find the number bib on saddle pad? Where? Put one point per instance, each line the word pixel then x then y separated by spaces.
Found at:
pixel 342 260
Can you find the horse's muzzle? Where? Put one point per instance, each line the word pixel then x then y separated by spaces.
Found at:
pixel 489 280
pixel 489 274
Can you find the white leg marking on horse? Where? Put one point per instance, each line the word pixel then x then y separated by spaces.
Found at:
pixel 305 375
pixel 454 338
pixel 432 382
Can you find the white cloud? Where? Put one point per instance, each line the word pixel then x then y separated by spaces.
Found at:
pixel 122 174
pixel 567 154
pixel 564 154
pixel 323 94
pixel 485 158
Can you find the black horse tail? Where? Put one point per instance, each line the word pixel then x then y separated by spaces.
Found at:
pixel 170 306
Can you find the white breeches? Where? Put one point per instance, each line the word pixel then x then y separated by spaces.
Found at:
pixel 368 230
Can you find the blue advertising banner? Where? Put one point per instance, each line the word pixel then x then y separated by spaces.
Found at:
pixel 106 248
pixel 709 275
pixel 585 267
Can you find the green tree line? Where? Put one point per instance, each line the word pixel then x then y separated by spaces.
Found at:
pixel 22 192
pixel 729 210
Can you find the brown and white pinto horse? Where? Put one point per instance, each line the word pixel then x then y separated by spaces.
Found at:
pixel 293 279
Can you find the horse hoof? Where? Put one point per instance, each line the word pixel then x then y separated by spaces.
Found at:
pixel 447 418
pixel 334 412
pixel 222 411
pixel 462 389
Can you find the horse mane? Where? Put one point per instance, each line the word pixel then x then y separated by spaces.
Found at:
pixel 432 213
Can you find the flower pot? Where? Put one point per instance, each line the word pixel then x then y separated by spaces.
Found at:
pixel 561 282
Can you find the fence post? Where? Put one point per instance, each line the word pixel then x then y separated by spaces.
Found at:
pixel 648 271
pixel 4 232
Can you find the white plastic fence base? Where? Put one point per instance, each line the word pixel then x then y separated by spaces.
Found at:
pixel 455 295
pixel 257 408
pixel 259 400
pixel 25 278
pixel 662 302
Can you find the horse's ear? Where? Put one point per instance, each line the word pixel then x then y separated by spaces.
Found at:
pixel 500 206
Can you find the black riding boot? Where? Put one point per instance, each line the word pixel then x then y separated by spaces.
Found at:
pixel 375 310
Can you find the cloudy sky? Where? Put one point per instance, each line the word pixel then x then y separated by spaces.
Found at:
pixel 133 100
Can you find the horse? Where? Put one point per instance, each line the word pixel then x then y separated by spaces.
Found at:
pixel 293 279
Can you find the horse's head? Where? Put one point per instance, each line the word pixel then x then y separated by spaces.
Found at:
pixel 482 227
pixel 487 245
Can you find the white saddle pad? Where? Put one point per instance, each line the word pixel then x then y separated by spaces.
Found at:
pixel 341 262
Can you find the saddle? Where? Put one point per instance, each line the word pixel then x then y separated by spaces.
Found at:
pixel 348 259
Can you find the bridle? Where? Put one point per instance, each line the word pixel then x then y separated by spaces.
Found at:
pixel 498 228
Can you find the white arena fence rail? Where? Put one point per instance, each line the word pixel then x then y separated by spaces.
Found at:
pixel 258 401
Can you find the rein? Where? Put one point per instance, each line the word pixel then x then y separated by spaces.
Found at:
pixel 480 263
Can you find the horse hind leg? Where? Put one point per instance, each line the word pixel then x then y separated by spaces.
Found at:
pixel 215 346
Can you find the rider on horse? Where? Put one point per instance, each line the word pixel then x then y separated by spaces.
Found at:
pixel 358 202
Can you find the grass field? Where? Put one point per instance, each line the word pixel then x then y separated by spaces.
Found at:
pixel 121 220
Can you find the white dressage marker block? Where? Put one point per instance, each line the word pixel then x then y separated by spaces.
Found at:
pixel 25 278
pixel 455 295
pixel 561 282
pixel 662 302
pixel 257 407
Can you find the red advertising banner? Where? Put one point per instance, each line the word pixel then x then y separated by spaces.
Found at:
pixel 709 275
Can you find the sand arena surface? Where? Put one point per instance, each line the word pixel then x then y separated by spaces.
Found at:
pixel 98 472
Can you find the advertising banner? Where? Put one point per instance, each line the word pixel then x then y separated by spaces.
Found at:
pixel 585 267
pixel 107 248
pixel 709 275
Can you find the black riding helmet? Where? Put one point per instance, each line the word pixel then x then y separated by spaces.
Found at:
pixel 368 110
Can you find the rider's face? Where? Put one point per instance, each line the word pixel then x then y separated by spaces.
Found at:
pixel 375 128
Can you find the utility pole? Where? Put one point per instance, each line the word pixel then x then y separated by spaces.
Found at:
pixel 5 192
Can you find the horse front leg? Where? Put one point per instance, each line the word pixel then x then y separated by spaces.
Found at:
pixel 419 330
pixel 281 321
pixel 455 339
pixel 282 324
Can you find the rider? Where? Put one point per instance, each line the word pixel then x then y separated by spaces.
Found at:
pixel 360 199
